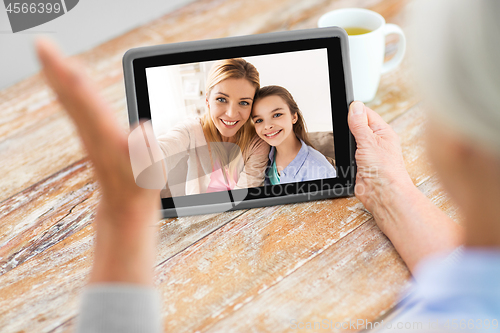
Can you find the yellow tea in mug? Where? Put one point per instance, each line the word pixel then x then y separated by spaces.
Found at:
pixel 352 31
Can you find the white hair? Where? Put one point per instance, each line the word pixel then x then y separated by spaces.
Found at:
pixel 456 44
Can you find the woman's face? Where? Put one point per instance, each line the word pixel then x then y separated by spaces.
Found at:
pixel 230 104
pixel 273 120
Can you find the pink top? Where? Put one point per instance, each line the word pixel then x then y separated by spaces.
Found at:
pixel 219 179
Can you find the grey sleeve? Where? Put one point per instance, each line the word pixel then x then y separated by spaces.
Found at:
pixel 120 308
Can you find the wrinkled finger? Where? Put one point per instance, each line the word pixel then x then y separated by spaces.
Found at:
pixel 93 118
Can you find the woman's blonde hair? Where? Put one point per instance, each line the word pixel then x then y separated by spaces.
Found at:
pixel 236 68
pixel 299 128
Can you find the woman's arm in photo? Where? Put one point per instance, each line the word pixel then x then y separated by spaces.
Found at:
pixel 177 142
pixel 255 164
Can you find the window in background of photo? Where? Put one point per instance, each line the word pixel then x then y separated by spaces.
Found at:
pixel 175 93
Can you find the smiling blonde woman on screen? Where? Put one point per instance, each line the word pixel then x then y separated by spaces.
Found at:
pixel 222 149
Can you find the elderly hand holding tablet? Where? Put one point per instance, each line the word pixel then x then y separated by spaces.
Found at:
pixel 417 228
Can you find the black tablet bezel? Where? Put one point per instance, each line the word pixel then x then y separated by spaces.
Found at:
pixel 334 40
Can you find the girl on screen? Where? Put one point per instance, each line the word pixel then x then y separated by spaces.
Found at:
pixel 220 150
pixel 279 122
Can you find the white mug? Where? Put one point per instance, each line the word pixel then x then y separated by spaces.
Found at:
pixel 367 50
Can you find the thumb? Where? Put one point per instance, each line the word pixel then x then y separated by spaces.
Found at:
pixel 358 120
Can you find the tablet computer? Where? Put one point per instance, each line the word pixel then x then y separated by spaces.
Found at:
pixel 246 121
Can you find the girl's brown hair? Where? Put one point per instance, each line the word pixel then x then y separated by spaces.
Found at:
pixel 299 127
pixel 236 68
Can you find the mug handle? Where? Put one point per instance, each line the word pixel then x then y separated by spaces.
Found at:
pixel 396 60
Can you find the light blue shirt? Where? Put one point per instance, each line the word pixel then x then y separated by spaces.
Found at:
pixel 460 291
pixel 309 164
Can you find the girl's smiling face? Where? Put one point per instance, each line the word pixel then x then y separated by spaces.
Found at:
pixel 273 120
pixel 230 104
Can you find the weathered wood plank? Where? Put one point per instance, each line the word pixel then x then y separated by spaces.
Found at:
pixel 247 256
pixel 45 214
pixel 433 190
pixel 42 293
pixel 351 279
pixel 234 18
pixel 359 277
pixel 411 130
pixel 48 284
pixel 332 278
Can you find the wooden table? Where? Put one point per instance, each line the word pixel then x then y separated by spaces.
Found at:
pixel 248 270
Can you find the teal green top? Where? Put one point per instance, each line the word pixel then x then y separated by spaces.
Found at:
pixel 272 173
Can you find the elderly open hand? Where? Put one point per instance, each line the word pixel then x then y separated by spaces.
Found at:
pixel 127 214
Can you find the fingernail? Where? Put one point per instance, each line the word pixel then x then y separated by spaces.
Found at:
pixel 358 108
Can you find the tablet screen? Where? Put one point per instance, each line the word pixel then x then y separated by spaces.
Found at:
pixel 178 102
pixel 301 83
